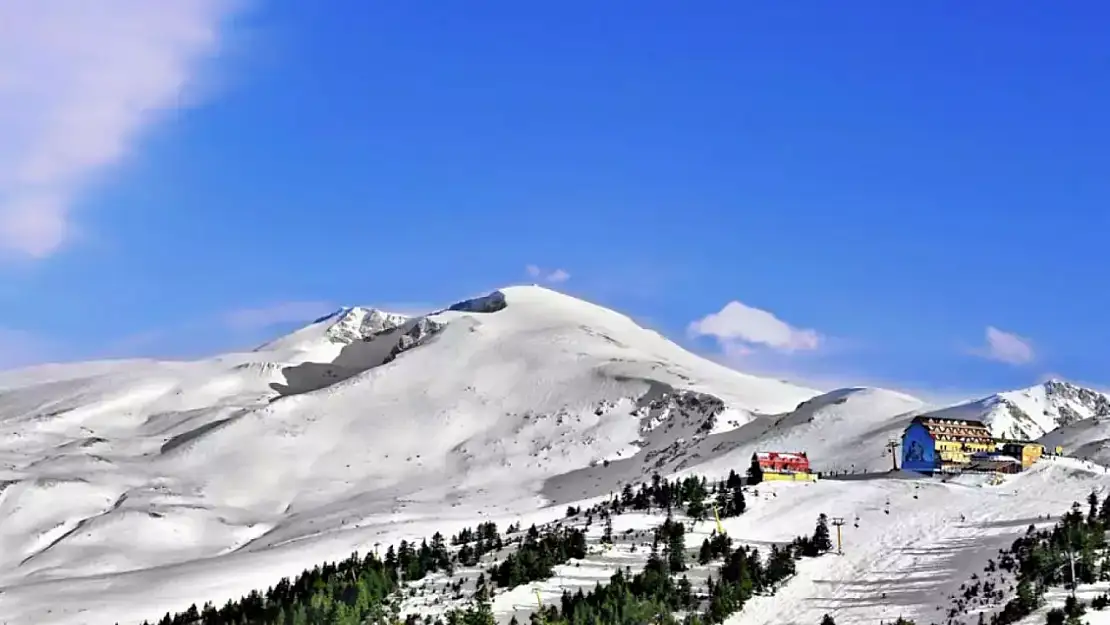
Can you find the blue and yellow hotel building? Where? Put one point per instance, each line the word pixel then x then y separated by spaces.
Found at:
pixel 931 444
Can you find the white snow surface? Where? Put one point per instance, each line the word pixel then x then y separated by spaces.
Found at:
pixel 132 488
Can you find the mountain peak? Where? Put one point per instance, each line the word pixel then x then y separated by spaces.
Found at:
pixel 359 323
pixel 1032 412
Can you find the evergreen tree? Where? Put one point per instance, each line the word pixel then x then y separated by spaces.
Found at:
pixel 607 535
pixel 1026 598
pixel 696 509
pixel 827 620
pixel 737 505
pixel 676 548
pixel 755 472
pixel 1104 511
pixel 705 553
pixel 821 540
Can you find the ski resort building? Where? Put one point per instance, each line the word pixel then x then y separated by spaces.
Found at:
pixel 1027 451
pixel 778 466
pixel 930 444
pixel 996 462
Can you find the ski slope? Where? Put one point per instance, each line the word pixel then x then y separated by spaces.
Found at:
pixel 128 489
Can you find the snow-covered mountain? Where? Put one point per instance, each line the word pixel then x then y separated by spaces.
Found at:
pixel 131 488
pixel 316 439
pixel 1033 412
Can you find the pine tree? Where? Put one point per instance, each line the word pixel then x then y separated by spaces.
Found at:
pixel 821 540
pixel 607 536
pixel 738 505
pixel 1104 512
pixel 755 472
pixel 705 553
pixel 685 593
pixel 696 509
pixel 676 548
pixel 1026 597
pixel 827 620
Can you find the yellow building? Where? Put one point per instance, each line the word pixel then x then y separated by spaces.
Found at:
pixel 1027 451
pixel 789 477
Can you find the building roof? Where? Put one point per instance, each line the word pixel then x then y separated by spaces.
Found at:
pixel 789 456
pixel 955 429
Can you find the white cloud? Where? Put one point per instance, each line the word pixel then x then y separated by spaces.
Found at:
pixel 79 81
pixel 554 276
pixel 739 327
pixel 559 275
pixel 282 312
pixel 1006 347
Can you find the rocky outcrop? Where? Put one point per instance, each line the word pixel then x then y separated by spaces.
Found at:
pixel 683 409
pixel 486 304
pixel 363 324
pixel 420 332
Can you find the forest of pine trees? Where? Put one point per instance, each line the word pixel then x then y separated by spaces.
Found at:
pixel 537 556
pixel 1041 559
pixel 694 495
pixel 358 590
pixel 350 592
pixel 653 595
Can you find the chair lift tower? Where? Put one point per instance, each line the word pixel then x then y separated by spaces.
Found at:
pixel 839 523
pixel 893 445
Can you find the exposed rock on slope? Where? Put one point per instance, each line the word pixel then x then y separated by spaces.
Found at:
pixel 361 324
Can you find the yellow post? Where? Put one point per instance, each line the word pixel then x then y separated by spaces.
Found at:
pixel 720 528
pixel 839 523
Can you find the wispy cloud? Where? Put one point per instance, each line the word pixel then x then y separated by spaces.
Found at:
pixel 1006 347
pixel 740 328
pixel 262 317
pixel 79 82
pixel 554 276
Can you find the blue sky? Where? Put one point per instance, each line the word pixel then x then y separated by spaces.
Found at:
pixel 875 184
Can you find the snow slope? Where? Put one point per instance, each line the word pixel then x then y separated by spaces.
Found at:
pixel 908 544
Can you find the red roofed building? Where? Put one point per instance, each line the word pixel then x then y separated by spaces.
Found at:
pixel 782 462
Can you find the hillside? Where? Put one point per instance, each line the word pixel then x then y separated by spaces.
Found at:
pixel 129 489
